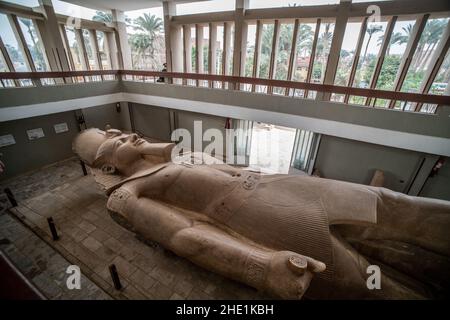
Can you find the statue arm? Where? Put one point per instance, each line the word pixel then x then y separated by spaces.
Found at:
pixel 281 273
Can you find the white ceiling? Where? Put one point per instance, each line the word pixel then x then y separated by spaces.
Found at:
pixel 123 5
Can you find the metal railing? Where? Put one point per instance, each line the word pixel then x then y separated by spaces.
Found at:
pixel 14 79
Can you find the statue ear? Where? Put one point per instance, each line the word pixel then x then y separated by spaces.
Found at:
pixel 108 169
pixel 297 264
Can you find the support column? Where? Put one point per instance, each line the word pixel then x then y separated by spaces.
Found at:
pixel 124 50
pixel 257 53
pixel 113 50
pixel 187 48
pixel 240 38
pixel 274 53
pixel 212 58
pixel 226 47
pixel 176 49
pixel 169 10
pixel 51 37
pixel 335 48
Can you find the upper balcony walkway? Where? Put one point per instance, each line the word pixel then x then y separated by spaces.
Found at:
pixel 425 127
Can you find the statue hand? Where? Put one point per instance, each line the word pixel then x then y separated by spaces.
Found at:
pixel 289 274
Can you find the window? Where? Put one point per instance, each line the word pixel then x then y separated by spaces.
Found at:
pixel 250 54
pixel 231 52
pixel 92 59
pixel 219 50
pixel 271 147
pixel 429 39
pixel 145 29
pixel 266 51
pixel 304 145
pixel 305 38
pixel 322 52
pixel 103 50
pixel 34 44
pixel 283 54
pixel 440 84
pixel 368 58
pixel 394 53
pixel 13 49
pixel 75 49
pixel 346 57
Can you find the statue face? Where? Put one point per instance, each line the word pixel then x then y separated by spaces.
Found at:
pixel 122 150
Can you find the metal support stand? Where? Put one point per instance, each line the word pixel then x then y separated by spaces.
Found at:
pixel 115 277
pixel 83 167
pixel 52 226
pixel 10 196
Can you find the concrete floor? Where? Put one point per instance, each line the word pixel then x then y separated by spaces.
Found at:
pixel 90 239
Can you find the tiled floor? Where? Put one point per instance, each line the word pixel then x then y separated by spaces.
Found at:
pixel 40 263
pixel 93 241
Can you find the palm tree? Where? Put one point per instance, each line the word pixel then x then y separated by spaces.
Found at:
pixel 102 17
pixel 430 38
pixel 396 38
pixel 148 23
pixel 371 31
pixel 141 43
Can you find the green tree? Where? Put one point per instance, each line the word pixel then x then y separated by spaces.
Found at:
pixel 102 17
pixel 373 29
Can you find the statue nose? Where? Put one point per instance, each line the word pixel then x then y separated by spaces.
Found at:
pixel 133 137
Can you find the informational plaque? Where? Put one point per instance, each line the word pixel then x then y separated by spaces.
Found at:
pixel 34 134
pixel 61 127
pixel 7 140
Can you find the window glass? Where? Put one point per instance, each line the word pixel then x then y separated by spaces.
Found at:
pixel 219 50
pixel 428 42
pixel 322 52
pixel 34 44
pixel 440 84
pixel 145 29
pixel 103 50
pixel 266 51
pixel 75 49
pixel 251 40
pixel 346 57
pixel 89 50
pixel 283 54
pixel 305 38
pixel 12 46
pixel 371 46
pixel 392 59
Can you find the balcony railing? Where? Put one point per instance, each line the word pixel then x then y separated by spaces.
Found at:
pixel 421 102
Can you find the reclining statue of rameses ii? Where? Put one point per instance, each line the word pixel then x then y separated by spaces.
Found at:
pixel 285 235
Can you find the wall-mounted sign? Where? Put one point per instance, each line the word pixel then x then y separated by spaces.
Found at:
pixel 7 140
pixel 61 127
pixel 34 134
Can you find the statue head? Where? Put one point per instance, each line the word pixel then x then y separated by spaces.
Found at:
pixel 109 150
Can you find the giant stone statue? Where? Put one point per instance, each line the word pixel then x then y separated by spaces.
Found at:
pixel 284 235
